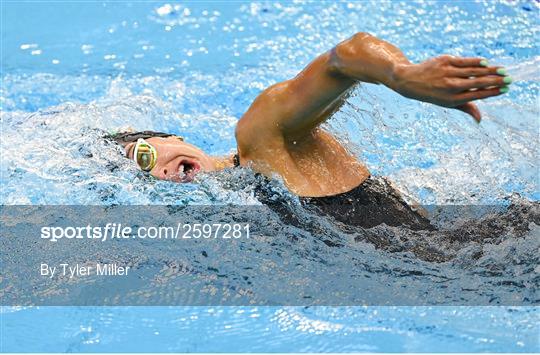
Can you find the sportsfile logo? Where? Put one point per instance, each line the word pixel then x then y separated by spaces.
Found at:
pixel 109 231
pixel 120 231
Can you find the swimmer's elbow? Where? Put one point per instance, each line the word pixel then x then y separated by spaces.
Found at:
pixel 348 50
pixel 359 37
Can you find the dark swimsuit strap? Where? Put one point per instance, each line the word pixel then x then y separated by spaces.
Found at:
pixel 236 160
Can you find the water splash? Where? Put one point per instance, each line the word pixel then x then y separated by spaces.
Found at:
pixel 194 70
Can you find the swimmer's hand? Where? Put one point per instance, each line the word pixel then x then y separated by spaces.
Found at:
pixel 450 82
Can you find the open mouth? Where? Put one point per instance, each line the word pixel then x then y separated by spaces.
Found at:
pixel 187 169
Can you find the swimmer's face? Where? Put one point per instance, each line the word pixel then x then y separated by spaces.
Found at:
pixel 177 161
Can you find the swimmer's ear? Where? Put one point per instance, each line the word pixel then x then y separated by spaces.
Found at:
pixel 471 109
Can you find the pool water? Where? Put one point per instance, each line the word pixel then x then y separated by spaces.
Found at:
pixel 72 72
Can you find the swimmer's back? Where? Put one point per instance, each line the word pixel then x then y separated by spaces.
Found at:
pixel 372 203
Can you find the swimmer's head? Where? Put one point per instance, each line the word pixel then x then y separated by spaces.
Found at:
pixel 166 156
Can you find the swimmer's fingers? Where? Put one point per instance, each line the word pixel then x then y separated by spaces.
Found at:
pixel 471 109
pixel 465 97
pixel 459 84
pixel 476 72
pixel 467 62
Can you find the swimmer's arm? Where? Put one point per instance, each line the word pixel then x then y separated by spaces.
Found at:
pixel 445 80
pixel 290 110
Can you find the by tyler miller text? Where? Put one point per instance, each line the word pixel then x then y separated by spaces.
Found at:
pixel 78 270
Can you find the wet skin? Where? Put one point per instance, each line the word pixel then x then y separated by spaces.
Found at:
pixel 280 132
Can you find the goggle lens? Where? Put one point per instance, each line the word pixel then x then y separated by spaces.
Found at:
pixel 145 155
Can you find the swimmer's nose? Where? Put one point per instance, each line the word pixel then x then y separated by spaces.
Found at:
pixel 168 173
pixel 162 173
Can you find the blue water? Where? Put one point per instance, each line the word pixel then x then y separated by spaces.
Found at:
pixel 72 71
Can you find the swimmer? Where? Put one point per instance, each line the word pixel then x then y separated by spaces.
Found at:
pixel 280 133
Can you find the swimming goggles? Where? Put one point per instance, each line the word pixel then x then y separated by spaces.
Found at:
pixel 144 155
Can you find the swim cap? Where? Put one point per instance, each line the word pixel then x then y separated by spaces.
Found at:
pixel 124 138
